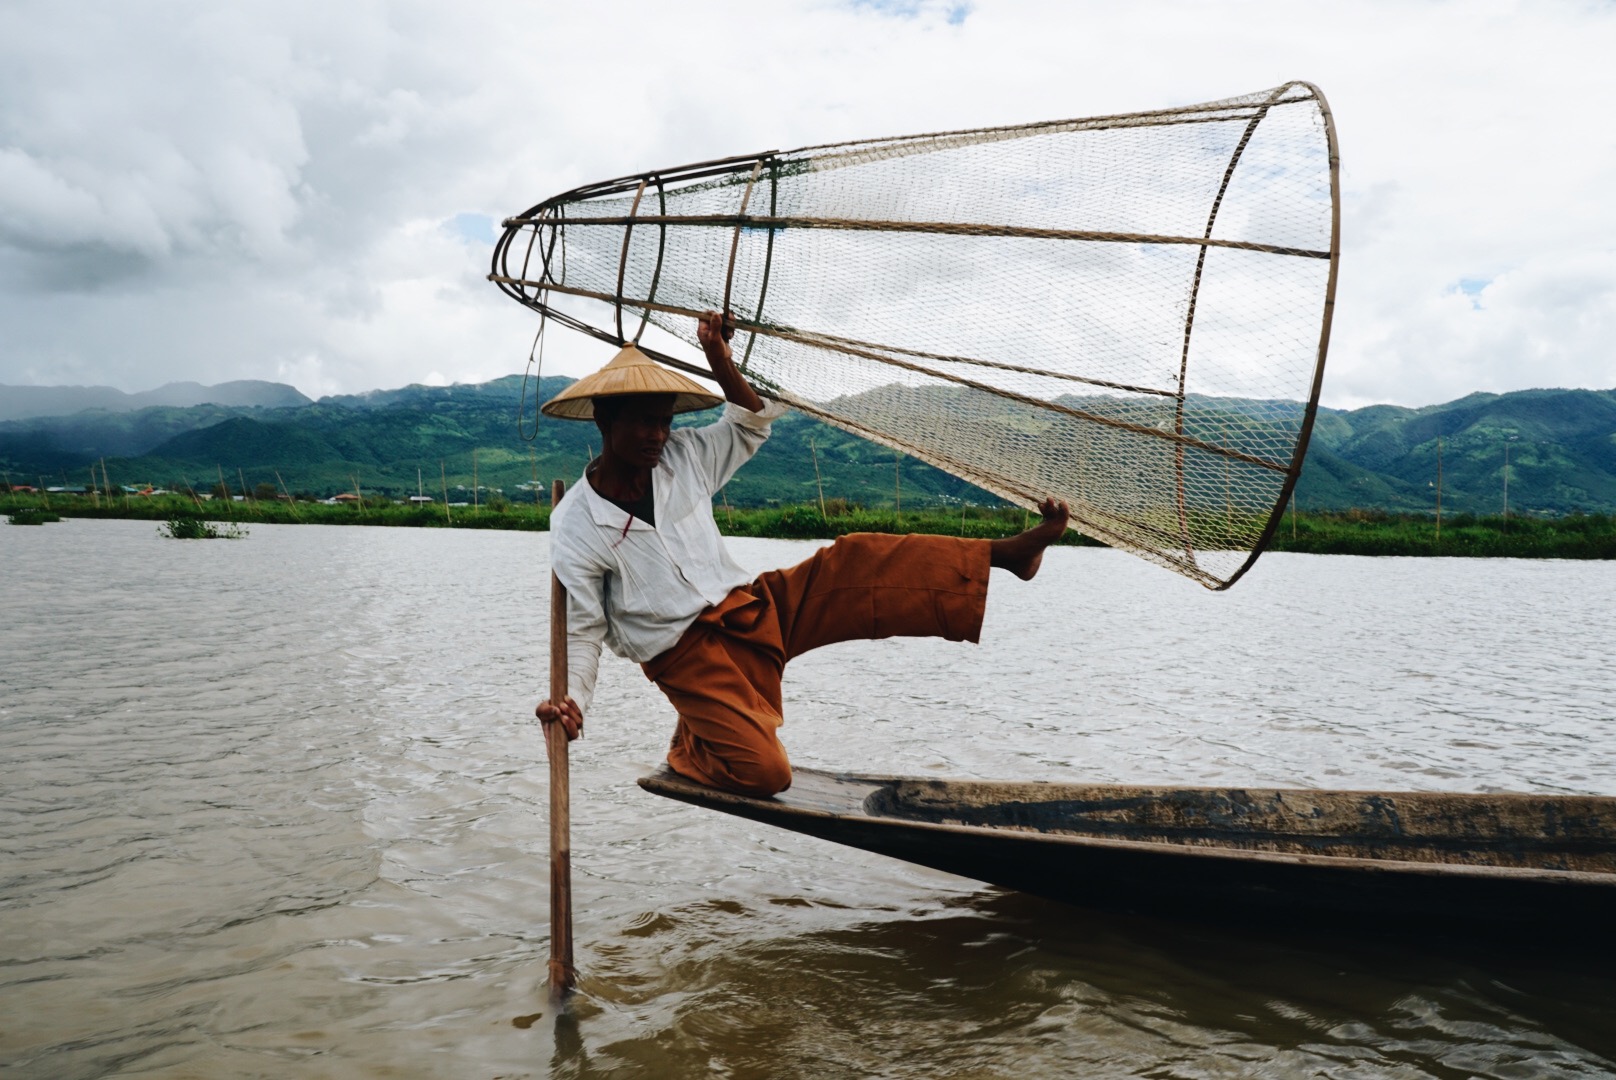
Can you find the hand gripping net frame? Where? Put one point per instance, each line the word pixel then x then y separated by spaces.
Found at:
pixel 1127 312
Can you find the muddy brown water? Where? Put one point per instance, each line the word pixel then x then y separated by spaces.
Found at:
pixel 275 807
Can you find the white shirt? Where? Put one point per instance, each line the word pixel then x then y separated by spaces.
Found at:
pixel 639 590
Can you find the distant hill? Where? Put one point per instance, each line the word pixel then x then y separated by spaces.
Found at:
pixel 1561 445
pixel 24 402
pixel 1562 449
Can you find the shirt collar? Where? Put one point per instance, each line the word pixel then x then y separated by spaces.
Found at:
pixel 608 515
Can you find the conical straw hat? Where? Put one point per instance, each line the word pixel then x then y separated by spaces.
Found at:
pixel 630 372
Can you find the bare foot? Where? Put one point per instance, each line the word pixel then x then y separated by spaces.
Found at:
pixel 1023 553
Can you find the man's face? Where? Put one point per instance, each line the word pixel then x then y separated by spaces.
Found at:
pixel 639 431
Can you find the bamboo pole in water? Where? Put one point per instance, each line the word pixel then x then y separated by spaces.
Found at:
pixel 1439 492
pixel 562 974
pixel 291 503
pixel 897 481
pixel 818 482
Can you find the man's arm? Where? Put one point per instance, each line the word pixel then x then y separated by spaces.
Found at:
pixel 586 628
pixel 714 337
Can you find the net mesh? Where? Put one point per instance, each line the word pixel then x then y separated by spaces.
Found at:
pixel 1129 313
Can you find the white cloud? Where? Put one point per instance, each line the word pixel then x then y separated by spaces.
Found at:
pixel 296 190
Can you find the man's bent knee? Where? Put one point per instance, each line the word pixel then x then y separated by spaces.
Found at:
pixel 759 779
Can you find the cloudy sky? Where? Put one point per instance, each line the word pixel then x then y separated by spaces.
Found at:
pixel 306 192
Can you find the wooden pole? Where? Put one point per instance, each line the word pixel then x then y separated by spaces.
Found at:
pixel 476 501
pixel 818 482
pixel 897 481
pixel 562 974
pixel 443 472
pixel 291 503
pixel 1506 485
pixel 1439 491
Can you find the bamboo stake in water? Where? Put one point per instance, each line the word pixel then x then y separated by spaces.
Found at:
pixel 291 503
pixel 106 484
pixel 562 974
pixel 897 481
pixel 820 484
pixel 1439 492
pixel 1506 485
pixel 443 471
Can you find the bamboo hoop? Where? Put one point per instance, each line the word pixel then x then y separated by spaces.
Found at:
pixel 622 263
pixel 735 240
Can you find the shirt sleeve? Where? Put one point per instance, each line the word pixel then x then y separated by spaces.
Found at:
pixel 722 447
pixel 584 577
pixel 586 630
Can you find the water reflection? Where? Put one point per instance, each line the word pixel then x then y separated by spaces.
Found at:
pixel 1003 985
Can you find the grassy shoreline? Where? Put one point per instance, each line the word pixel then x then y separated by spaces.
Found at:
pixel 1356 532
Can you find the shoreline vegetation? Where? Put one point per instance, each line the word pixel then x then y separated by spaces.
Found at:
pixel 1353 532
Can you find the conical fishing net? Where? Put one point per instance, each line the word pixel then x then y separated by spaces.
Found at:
pixel 1128 312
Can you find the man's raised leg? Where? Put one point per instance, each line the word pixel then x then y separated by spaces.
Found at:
pixel 1023 553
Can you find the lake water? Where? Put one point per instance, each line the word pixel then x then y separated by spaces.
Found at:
pixel 276 807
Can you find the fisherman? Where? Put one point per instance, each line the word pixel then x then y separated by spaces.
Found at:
pixel 647 575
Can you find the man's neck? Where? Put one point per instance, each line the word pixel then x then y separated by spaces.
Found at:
pixel 617 480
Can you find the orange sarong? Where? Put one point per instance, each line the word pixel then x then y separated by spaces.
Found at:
pixel 723 677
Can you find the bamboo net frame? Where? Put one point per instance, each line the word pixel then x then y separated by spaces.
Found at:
pixel 1128 312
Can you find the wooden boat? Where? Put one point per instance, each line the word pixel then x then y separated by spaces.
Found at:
pixel 1539 866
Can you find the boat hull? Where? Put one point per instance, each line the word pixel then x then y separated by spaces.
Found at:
pixel 1535 866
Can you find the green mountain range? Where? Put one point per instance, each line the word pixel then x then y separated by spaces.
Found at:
pixel 24 402
pixel 1561 447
